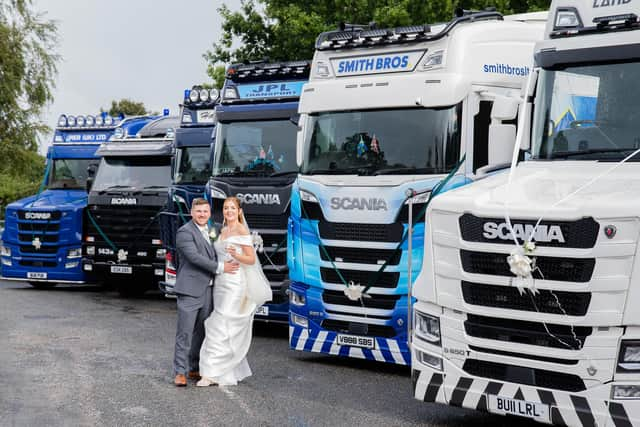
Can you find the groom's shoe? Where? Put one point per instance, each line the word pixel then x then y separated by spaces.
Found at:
pixel 194 375
pixel 180 380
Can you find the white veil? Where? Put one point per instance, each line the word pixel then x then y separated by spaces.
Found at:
pixel 258 288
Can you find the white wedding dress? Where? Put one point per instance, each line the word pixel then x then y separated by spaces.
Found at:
pixel 223 355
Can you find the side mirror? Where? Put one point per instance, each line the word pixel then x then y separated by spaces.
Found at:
pixel 89 183
pixel 295 119
pixel 502 140
pixel 504 108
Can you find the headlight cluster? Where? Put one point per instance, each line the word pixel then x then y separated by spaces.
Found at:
pixel 297 299
pixel 216 193
pixel 629 358
pixel 308 197
pixel 89 121
pixel 199 94
pixel 74 253
pixel 5 251
pixel 427 327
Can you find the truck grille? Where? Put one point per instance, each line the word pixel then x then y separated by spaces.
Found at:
pixel 508 297
pixel 43 250
pixel 361 255
pixel 365 329
pixel 577 234
pixel 521 375
pixel 385 279
pixel 273 222
pixel 45 238
pixel 125 225
pixel 312 211
pixel 273 241
pixel 525 332
pixel 387 302
pixel 27 263
pixel 278 258
pixel 549 268
pixel 361 232
pixel 55 216
pixel 38 227
pixel 403 215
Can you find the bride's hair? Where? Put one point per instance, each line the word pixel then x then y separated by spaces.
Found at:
pixel 236 201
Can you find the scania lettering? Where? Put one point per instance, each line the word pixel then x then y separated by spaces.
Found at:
pixel 254 160
pixel 534 273
pixel 41 239
pixel 388 113
pixel 122 243
pixel 190 170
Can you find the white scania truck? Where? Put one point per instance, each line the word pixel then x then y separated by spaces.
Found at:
pixel 386 111
pixel 527 302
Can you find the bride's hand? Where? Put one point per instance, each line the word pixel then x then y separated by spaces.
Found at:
pixel 232 251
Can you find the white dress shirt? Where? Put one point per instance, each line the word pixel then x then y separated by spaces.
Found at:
pixel 204 229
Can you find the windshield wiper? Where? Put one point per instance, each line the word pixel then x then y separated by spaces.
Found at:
pixel 404 171
pixel 115 187
pixel 567 154
pixel 283 173
pixel 343 171
pixel 151 187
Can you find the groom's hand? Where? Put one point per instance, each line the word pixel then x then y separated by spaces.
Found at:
pixel 231 267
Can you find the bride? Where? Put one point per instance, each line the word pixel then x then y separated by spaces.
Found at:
pixel 236 297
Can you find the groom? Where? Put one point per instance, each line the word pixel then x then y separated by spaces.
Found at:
pixel 197 267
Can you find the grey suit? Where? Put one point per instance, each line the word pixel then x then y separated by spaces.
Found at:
pixel 196 270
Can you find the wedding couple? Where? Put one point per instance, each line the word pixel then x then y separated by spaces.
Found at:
pixel 219 286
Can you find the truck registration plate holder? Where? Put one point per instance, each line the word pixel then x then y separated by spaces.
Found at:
pixel 121 269
pixel 522 408
pixel 36 275
pixel 356 341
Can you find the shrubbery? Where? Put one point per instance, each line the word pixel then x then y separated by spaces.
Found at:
pixel 21 172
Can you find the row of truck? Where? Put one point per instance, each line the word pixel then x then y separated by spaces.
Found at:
pixel 460 197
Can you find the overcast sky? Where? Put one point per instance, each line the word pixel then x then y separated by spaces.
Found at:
pixel 145 50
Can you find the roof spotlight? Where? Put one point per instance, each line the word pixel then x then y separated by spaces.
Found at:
pixel 99 121
pixel 194 95
pixel 204 95
pixel 91 120
pixel 62 121
pixel 214 94
pixel 108 121
pixel 71 121
pixel 81 121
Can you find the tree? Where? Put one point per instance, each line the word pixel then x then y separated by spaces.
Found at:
pixel 127 107
pixel 27 72
pixel 287 30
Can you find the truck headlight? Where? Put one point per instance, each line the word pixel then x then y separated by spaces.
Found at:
pixel 427 327
pixel 160 253
pixel 429 360
pixel 308 197
pixel 5 251
pixel 75 253
pixel 216 193
pixel 299 320
pixel 629 357
pixel 297 299
pixel 626 392
pixel 91 250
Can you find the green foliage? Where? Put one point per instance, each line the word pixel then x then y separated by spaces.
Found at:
pixel 21 177
pixel 287 30
pixel 127 107
pixel 27 71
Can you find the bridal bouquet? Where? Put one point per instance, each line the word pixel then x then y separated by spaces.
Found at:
pixel 258 244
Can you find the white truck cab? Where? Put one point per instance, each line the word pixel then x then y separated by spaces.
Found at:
pixel 526 301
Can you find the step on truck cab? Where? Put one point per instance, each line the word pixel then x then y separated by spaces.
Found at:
pixel 42 234
pixel 255 160
pixel 526 304
pixel 122 245
pixel 190 170
pixel 388 112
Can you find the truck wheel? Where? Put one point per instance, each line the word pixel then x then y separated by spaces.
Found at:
pixel 43 285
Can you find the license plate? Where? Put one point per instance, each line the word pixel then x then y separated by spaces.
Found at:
pixel 205 116
pixel 522 408
pixel 263 310
pixel 121 269
pixel 356 341
pixel 36 275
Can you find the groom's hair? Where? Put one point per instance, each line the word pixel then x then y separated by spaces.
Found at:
pixel 199 201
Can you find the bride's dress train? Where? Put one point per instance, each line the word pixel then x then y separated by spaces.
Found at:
pixel 228 329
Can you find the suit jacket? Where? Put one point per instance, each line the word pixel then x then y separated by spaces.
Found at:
pixel 198 261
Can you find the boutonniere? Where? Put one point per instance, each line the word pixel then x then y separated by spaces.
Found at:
pixel 213 234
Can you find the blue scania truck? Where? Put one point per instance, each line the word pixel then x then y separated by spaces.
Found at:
pixel 255 160
pixel 190 170
pixel 386 116
pixel 43 233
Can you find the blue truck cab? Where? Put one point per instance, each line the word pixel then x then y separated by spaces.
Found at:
pixel 255 160
pixel 43 233
pixel 190 170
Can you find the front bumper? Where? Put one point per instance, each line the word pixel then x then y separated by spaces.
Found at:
pixel 591 407
pixel 145 275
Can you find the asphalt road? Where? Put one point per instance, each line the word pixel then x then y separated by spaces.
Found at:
pixel 83 356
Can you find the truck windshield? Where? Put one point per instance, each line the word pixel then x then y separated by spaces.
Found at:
pixel 588 112
pixel 377 142
pixel 134 173
pixel 69 173
pixel 260 148
pixel 193 165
